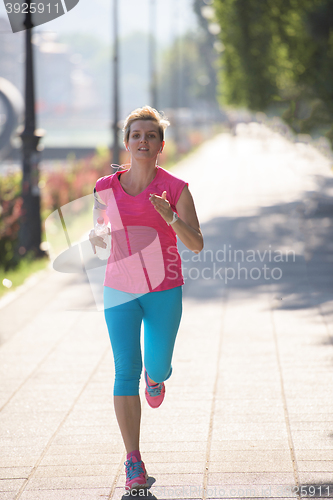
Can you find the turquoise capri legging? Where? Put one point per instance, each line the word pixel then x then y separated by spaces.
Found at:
pixel 124 312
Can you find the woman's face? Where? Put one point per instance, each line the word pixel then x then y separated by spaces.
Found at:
pixel 144 139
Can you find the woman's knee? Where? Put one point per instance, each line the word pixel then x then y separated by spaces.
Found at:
pixel 126 387
pixel 158 373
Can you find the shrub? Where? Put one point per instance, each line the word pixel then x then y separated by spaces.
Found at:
pixel 10 213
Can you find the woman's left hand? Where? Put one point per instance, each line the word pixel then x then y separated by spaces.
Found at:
pixel 162 205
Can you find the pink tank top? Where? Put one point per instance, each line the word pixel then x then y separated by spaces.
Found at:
pixel 144 255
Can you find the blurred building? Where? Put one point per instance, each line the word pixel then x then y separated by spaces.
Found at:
pixel 63 86
pixel 53 75
pixel 11 56
pixel 61 83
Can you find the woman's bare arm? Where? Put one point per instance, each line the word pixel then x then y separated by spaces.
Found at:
pixel 187 226
pixel 99 210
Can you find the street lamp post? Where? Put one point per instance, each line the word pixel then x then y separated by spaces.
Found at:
pixel 30 235
pixel 175 72
pixel 115 150
pixel 152 54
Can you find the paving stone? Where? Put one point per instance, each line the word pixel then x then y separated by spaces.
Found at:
pixel 258 434
pixel 11 484
pixel 319 437
pixel 248 404
pixel 67 494
pixel 315 466
pixel 8 495
pixel 295 418
pixel 244 444
pixel 69 482
pixel 164 480
pixel 326 427
pixel 324 478
pixel 86 449
pixel 251 478
pixel 312 445
pixel 82 459
pixel 181 420
pixel 176 492
pixel 252 466
pixel 256 492
pixel 175 467
pixel 88 430
pixel 51 471
pixel 177 435
pixel 251 418
pixel 14 472
pixel 265 456
pixel 314 454
pixel 163 493
pixel 84 439
pixel 172 446
pixel 168 457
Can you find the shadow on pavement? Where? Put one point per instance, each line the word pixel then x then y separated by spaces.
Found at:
pixel 142 493
pixel 288 246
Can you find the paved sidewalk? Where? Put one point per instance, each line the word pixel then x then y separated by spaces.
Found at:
pixel 248 410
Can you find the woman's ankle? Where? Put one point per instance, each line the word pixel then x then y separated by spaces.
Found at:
pixel 134 453
pixel 150 381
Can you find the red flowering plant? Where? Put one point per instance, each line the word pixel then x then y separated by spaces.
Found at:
pixel 10 213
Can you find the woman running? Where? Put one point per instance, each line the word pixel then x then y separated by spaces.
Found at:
pixel 148 208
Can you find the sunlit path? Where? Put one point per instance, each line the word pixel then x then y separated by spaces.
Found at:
pixel 248 409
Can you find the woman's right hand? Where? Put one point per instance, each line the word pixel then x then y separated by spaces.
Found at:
pixel 96 241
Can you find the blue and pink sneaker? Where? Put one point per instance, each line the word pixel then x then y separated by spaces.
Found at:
pixel 154 393
pixel 136 474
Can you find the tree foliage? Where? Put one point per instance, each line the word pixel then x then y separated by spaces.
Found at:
pixel 183 79
pixel 182 72
pixel 279 52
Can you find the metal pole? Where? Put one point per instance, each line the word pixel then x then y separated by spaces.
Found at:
pixel 175 76
pixel 115 149
pixel 30 230
pixel 152 54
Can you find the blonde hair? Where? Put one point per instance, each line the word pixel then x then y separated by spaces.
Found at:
pixel 145 113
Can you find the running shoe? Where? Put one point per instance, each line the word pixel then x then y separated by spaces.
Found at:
pixel 154 393
pixel 136 474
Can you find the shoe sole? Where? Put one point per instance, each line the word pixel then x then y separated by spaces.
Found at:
pixel 137 487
